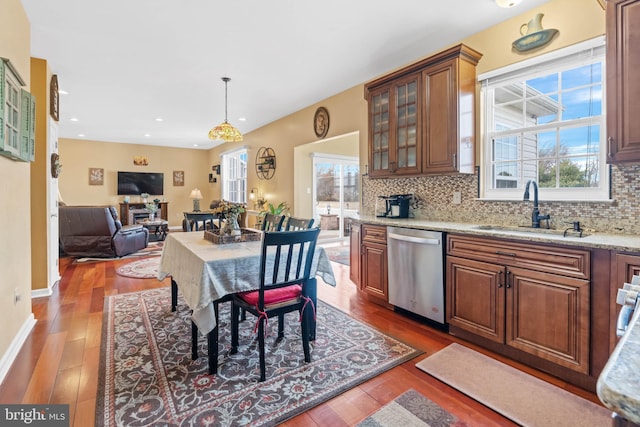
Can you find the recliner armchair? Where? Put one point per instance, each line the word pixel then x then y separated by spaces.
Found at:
pixel 96 231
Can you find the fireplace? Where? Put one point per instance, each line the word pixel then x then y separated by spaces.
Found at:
pixel 137 214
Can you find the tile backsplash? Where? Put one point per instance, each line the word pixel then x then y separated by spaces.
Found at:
pixel 435 193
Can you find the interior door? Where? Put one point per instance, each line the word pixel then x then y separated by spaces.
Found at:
pixel 52 210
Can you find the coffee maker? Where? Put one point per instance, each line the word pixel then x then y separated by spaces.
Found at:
pixel 395 206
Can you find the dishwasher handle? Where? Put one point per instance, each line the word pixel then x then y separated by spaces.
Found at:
pixel 413 239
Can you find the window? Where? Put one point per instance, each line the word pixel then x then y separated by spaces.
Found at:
pixel 234 176
pixel 545 121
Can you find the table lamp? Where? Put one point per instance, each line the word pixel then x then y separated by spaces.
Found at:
pixel 196 195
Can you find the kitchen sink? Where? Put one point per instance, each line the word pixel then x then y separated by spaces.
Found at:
pixel 529 229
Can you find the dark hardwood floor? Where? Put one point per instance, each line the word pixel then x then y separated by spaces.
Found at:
pixel 59 362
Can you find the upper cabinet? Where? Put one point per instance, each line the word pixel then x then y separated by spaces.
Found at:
pixel 623 81
pixel 422 117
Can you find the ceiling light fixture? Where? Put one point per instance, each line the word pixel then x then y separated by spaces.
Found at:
pixel 507 3
pixel 225 131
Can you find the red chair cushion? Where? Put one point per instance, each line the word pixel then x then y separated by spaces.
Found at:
pixel 273 296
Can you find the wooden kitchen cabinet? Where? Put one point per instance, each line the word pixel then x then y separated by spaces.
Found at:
pixel 623 267
pixel 422 117
pixel 354 253
pixel 527 297
pixel 374 262
pixel 623 80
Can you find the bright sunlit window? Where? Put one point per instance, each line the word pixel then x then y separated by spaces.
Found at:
pixel 234 176
pixel 544 120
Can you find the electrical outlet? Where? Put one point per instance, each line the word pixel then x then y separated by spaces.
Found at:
pixel 457 198
pixel 16 296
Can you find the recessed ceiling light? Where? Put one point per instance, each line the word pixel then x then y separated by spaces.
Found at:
pixel 242 119
pixel 507 3
pixel 81 135
pixel 74 119
pixel 147 135
pixel 159 119
pixel 195 145
pixel 63 92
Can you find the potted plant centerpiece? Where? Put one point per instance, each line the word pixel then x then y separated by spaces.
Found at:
pixel 229 212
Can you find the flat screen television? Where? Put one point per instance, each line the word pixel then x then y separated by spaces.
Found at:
pixel 134 183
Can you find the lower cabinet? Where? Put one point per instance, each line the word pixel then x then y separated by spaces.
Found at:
pixel 532 298
pixel 374 261
pixel 354 253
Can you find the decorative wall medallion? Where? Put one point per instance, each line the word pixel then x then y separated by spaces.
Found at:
pixel 56 167
pixel 54 98
pixel 96 176
pixel 321 122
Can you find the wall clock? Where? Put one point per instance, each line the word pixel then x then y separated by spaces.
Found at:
pixel 265 163
pixel 321 122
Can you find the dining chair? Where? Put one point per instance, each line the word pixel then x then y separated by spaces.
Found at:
pixel 298 224
pixel 286 285
pixel 272 222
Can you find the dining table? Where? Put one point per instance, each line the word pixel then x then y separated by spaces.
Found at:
pixel 206 273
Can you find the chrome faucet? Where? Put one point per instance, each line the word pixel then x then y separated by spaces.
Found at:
pixel 535 215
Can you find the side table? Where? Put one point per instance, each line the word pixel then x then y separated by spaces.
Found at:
pixel 159 227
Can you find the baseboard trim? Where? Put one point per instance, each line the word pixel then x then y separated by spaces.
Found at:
pixel 15 346
pixel 46 292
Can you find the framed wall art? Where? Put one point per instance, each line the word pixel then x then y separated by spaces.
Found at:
pixel 96 176
pixel 140 161
pixel 178 178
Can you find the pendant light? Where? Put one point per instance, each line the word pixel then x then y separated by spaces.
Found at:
pixel 225 131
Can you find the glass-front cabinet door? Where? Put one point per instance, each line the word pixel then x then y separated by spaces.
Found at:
pixel 394 128
pixel 379 132
pixel 406 158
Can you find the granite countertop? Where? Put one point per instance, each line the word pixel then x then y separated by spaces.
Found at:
pixel 619 382
pixel 619 242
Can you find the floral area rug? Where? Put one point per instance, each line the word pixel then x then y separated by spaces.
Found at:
pixel 146 268
pixel 411 409
pixel 147 377
pixel 339 254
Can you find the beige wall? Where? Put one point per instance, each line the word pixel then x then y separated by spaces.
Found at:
pixel 576 20
pixel 15 254
pixel 77 156
pixel 347 114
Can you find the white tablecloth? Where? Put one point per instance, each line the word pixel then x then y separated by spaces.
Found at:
pixel 206 272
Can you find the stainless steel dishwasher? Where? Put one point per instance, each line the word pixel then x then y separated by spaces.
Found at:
pixel 416 279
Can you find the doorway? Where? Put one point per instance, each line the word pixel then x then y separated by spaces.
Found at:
pixel 336 193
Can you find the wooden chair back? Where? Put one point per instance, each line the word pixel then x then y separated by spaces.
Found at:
pixel 272 222
pixel 294 224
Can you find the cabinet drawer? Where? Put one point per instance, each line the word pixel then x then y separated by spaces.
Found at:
pixel 543 258
pixel 374 233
